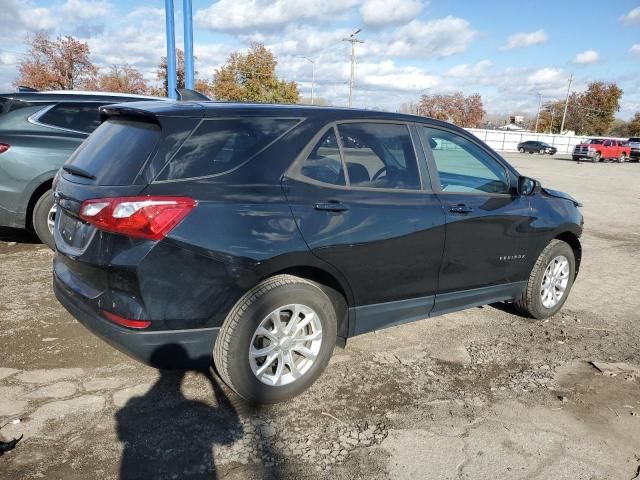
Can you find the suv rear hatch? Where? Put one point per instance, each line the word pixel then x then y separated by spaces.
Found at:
pixel 117 161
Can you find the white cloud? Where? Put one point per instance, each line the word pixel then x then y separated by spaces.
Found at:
pixel 522 40
pixel 417 39
pixel 465 70
pixel 75 10
pixel 631 18
pixel 587 57
pixel 248 15
pixel 19 18
pixel 379 13
pixel 635 49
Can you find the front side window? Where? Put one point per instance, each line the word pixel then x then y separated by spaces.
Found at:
pixel 463 166
pixel 219 146
pixel 379 155
pixel 81 117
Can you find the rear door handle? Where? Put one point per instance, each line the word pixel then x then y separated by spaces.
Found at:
pixel 460 208
pixel 331 207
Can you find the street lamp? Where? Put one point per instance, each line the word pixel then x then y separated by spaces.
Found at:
pixel 313 73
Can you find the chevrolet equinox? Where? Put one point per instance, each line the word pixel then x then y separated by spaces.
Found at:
pixel 260 236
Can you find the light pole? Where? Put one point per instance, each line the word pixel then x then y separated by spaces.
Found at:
pixel 538 114
pixel 188 44
pixel 171 49
pixel 353 39
pixel 313 73
pixel 566 104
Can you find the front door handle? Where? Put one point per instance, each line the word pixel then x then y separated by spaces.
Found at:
pixel 331 206
pixel 461 208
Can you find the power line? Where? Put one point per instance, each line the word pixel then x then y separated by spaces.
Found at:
pixel 353 39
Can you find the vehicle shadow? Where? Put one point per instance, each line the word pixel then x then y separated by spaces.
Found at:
pixel 18 235
pixel 166 435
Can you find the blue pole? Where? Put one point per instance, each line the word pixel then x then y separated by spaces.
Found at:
pixel 171 49
pixel 189 81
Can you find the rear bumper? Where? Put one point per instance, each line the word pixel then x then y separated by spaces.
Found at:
pixel 635 153
pixel 165 349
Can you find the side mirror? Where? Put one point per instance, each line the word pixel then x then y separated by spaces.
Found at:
pixel 528 186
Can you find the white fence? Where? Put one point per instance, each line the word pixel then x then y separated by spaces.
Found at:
pixel 507 141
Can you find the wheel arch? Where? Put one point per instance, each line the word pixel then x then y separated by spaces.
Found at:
pixel 574 242
pixel 338 293
pixel 33 199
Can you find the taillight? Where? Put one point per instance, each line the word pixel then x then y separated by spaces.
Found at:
pixel 4 147
pixel 150 217
pixel 126 322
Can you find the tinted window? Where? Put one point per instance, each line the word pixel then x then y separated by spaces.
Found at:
pixel 379 155
pixel 82 117
pixel 218 146
pixel 634 139
pixel 465 167
pixel 117 151
pixel 324 163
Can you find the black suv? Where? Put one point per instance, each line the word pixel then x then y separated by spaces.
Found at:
pixel 533 146
pixel 262 235
pixel 38 132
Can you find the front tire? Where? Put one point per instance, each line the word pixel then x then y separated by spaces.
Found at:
pixel 597 157
pixel 549 283
pixel 541 151
pixel 277 340
pixel 43 218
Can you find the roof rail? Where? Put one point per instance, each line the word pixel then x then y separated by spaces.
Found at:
pixel 23 88
pixel 186 94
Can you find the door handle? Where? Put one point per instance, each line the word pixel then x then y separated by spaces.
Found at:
pixel 460 208
pixel 331 206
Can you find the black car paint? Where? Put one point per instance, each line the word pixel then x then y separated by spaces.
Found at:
pixel 396 256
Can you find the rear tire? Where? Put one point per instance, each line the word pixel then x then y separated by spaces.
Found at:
pixel 245 325
pixel 531 301
pixel 43 217
pixel 521 150
pixel 622 158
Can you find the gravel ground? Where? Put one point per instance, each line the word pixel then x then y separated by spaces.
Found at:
pixel 482 393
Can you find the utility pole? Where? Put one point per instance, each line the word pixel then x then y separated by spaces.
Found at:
pixel 353 39
pixel 313 73
pixel 539 107
pixel 566 104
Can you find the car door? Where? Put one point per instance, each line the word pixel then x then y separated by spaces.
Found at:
pixel 487 222
pixel 364 206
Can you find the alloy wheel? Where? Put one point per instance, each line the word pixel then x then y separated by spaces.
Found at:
pixel 51 218
pixel 555 281
pixel 285 345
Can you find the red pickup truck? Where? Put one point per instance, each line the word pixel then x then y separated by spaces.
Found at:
pixel 599 149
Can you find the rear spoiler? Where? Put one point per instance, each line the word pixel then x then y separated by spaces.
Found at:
pixel 151 111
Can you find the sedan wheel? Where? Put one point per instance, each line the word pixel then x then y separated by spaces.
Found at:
pixel 521 150
pixel 541 151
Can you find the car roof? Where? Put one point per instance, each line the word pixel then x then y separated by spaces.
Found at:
pixel 77 96
pixel 216 109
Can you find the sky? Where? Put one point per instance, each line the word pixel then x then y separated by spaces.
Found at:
pixel 510 52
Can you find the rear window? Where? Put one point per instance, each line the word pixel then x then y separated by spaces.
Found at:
pixel 116 152
pixel 81 117
pixel 634 139
pixel 219 146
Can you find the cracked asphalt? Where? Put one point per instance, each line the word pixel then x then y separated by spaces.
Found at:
pixel 477 394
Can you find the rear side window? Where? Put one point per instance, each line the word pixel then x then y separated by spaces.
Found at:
pixel 82 117
pixel 324 163
pixel 219 146
pixel 116 152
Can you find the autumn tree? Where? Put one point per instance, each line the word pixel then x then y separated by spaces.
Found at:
pixel 455 108
pixel 162 75
pixel 550 116
pixel 60 64
pixel 251 77
pixel 619 128
pixel 122 79
pixel 634 126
